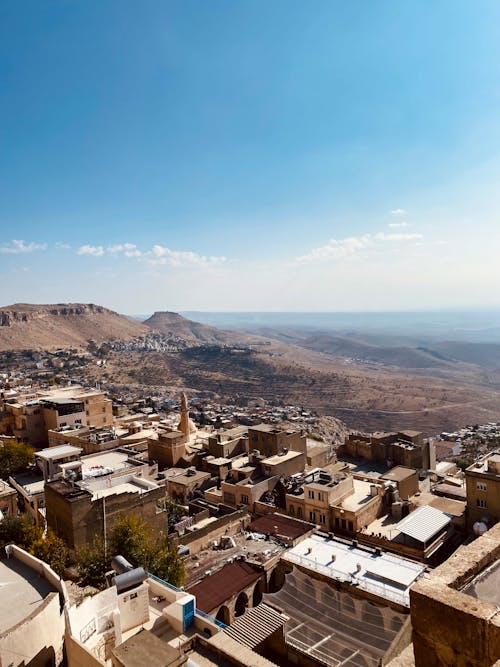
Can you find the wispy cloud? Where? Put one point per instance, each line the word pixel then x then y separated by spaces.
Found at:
pixel 399 212
pixel 128 249
pixel 63 246
pixel 395 225
pixel 92 250
pixel 182 258
pixel 353 245
pixel 383 236
pixel 337 248
pixel 15 247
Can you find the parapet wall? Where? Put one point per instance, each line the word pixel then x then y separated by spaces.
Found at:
pixel 450 628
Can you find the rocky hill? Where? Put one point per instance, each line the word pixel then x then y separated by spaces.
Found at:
pixel 49 326
pixel 195 333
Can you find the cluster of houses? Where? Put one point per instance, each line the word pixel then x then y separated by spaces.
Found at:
pixel 296 551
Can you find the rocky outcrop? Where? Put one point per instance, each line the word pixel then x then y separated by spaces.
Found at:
pixel 27 312
pixel 47 326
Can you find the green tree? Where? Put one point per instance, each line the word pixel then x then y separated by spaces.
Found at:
pixel 92 564
pixel 14 456
pixel 132 538
pixel 53 551
pixel 18 530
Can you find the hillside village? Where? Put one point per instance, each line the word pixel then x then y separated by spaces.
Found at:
pixel 300 539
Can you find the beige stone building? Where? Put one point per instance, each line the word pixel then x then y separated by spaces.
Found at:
pixel 78 513
pixel 8 500
pixel 405 448
pixel 483 490
pixel 168 449
pixel 270 439
pixel 32 414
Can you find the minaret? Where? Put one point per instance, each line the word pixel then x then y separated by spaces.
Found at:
pixel 184 422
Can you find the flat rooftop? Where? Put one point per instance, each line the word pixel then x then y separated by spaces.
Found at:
pixel 386 575
pixel 361 495
pixel 113 460
pixel 280 524
pixel 60 451
pixel 126 487
pixel 145 648
pixel 281 458
pixel 399 473
pixel 185 478
pixel 21 591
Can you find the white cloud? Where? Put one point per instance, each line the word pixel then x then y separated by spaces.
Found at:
pixel 399 212
pixel 337 248
pixel 128 249
pixel 162 255
pixel 398 224
pixel 352 245
pixel 382 236
pixel 92 250
pixel 16 247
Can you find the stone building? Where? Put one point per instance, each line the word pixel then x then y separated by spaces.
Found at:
pixel 79 512
pixel 483 491
pixel 270 439
pixel 405 448
pixel 33 414
pixel 168 449
pixel 8 500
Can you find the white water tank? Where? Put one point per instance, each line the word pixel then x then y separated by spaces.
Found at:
pixel 479 528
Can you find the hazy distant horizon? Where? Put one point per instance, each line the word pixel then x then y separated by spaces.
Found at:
pixel 480 326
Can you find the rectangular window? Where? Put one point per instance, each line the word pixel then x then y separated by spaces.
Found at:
pixel 292 510
pixel 322 518
pixel 481 486
pixel 311 494
pixel 244 499
pixel 481 502
pixel 312 517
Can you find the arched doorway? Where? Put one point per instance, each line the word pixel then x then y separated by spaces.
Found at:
pixel 257 593
pixel 241 604
pixel 373 615
pixel 276 580
pixel 224 615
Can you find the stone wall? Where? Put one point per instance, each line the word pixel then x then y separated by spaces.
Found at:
pixel 450 628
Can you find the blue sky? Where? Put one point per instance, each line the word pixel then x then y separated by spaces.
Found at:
pixel 255 155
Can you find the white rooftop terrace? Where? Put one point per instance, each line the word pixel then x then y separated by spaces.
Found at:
pixel 385 575
pixel 22 591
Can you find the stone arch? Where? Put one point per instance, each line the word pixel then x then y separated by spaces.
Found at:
pixel 372 614
pixel 276 580
pixel 308 587
pixel 257 593
pixel 241 604
pixel 396 623
pixel 348 606
pixel 330 598
pixel 224 615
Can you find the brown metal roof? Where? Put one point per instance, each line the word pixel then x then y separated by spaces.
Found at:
pixel 221 586
pixel 280 524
